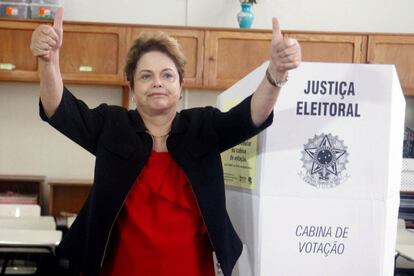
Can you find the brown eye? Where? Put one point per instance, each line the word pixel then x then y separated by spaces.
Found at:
pixel 168 76
pixel 145 77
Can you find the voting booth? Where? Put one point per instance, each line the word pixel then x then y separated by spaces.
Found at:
pixel 317 193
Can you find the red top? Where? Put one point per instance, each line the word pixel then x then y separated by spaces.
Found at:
pixel 159 230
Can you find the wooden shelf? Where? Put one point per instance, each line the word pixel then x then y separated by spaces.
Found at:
pixel 67 195
pixel 23 184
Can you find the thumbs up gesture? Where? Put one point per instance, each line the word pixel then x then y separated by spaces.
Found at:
pixel 46 40
pixel 285 54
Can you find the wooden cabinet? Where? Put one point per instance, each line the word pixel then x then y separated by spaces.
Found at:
pixel 93 54
pixel 331 47
pixel 23 185
pixel 216 59
pixel 16 60
pixel 192 43
pixel 230 55
pixel 398 50
pixel 67 196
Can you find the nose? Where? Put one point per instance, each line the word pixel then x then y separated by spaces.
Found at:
pixel 157 82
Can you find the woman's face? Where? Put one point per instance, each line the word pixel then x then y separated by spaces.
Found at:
pixel 157 85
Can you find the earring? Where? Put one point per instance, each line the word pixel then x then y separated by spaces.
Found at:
pixel 133 99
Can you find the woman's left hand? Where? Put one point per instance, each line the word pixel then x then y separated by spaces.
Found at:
pixel 285 53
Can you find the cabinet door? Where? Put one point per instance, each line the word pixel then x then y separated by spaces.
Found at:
pixel 398 50
pixel 93 54
pixel 16 60
pixel 192 42
pixel 231 55
pixel 67 195
pixel 326 47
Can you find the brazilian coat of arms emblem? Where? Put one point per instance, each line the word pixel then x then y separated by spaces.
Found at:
pixel 324 159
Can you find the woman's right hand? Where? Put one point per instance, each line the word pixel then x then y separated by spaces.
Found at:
pixel 46 40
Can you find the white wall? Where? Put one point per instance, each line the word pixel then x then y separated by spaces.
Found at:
pixel 29 146
pixel 319 15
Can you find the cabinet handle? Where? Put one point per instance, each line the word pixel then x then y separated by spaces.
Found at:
pixel 85 68
pixel 7 66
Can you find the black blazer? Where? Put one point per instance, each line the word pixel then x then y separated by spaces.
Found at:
pixel 119 141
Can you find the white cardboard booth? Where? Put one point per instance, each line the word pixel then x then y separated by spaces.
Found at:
pixel 317 193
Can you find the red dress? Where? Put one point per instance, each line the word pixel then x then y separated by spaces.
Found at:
pixel 159 230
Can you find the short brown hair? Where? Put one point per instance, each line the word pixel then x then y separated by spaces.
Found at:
pixel 154 41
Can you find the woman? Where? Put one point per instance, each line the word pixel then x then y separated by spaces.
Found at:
pixel 157 206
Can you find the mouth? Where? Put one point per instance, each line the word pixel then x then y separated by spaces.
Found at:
pixel 157 94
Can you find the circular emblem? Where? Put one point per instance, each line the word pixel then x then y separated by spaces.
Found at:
pixel 324 158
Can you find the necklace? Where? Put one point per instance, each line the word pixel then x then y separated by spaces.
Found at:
pixel 158 136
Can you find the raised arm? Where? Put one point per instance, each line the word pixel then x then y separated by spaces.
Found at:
pixel 46 41
pixel 285 55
